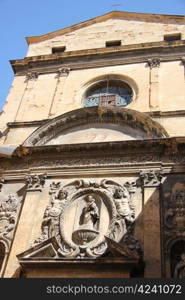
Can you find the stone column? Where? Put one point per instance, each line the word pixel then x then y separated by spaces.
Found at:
pixel 154 65
pixel 150 181
pixel 28 228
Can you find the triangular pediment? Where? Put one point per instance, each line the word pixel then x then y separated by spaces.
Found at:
pixel 108 16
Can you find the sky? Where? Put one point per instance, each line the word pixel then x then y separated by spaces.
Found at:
pixel 20 18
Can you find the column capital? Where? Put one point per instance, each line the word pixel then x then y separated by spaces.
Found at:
pixel 154 62
pixel 150 178
pixel 31 76
pixel 35 182
pixel 63 72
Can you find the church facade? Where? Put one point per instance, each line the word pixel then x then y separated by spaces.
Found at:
pixel 92 147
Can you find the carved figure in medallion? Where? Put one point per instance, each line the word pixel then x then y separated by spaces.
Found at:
pixel 90 213
pixel 180 268
pixel 87 229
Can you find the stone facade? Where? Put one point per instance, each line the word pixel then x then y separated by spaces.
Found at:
pixel 99 186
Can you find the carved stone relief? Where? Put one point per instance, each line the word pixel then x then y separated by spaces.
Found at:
pixel 35 182
pixel 8 216
pixel 31 76
pixel 175 213
pixel 154 62
pixel 180 268
pixel 151 178
pixel 173 225
pixel 63 72
pixel 91 218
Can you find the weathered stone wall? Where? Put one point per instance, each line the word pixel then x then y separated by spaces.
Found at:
pixel 47 96
pixel 94 36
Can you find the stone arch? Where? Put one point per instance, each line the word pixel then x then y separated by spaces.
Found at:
pixel 123 122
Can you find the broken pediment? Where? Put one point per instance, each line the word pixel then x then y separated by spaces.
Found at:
pixel 45 249
pixel 96 124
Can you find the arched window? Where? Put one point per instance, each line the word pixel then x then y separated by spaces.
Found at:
pixel 108 92
pixel 2 254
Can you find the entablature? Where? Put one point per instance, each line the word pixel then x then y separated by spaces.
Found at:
pixel 100 57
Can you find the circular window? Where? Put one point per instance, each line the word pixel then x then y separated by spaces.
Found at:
pixel 108 92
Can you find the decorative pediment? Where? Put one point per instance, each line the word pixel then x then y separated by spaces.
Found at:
pixel 96 124
pixel 111 15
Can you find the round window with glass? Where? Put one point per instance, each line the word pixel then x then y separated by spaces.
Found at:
pixel 109 92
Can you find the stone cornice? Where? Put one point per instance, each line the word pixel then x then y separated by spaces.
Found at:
pixel 93 58
pixel 26 124
pixel 113 14
pixel 131 147
pixel 96 158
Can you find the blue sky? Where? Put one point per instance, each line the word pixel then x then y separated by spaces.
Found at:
pixel 20 18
